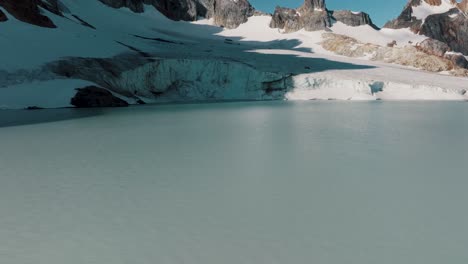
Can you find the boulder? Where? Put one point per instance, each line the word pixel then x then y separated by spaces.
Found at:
pixel 457 59
pixel 433 47
pixel 93 96
pixel 392 44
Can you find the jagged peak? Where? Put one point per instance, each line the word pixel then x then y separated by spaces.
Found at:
pixel 314 5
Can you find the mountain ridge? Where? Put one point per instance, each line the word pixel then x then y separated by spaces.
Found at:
pixel 143 56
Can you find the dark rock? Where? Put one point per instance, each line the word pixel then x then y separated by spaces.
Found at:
pixel 457 59
pixel 406 18
pixel 27 11
pixel 173 9
pixel 93 96
pixel 3 17
pixel 226 13
pixel 33 108
pixel 53 6
pixel 392 44
pixel 84 23
pixel 285 18
pixel 314 5
pixel 134 5
pixel 433 47
pixel 313 15
pixel 450 28
pixel 291 20
pixel 352 19
pixel 230 14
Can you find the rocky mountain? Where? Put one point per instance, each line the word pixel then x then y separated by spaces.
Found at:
pixel 226 13
pixel 313 15
pixel 443 20
pixel 29 11
pixel 118 52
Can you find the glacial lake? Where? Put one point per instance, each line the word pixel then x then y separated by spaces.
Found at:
pixel 231 183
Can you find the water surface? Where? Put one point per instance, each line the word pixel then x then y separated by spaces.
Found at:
pixel 270 182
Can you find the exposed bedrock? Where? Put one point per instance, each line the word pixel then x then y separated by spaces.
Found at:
pixel 351 18
pixel 406 18
pixel 457 59
pixel 433 47
pixel 291 20
pixel 313 16
pixel 450 27
pixel 226 13
pixel 428 60
pixel 231 14
pixel 27 11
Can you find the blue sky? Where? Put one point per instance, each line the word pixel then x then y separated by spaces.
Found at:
pixel 380 10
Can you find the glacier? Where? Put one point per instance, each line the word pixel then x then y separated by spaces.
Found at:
pixel 146 57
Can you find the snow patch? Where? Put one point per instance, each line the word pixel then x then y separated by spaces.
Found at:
pixel 367 34
pixel 424 9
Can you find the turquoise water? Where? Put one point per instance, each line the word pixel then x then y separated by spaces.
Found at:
pixel 270 182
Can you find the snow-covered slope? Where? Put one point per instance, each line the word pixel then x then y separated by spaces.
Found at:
pixel 425 9
pixel 148 57
pixel 442 20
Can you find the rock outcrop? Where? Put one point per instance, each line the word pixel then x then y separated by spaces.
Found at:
pixel 291 20
pixel 3 17
pixel 406 18
pixel 226 13
pixel 433 47
pixel 27 11
pixel 457 59
pixel 407 56
pixel 351 18
pixel 93 96
pixel 173 9
pixel 53 6
pixel 313 15
pixel 450 27
pixel 231 14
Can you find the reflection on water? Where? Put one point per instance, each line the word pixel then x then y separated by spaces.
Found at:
pixel 260 182
pixel 28 117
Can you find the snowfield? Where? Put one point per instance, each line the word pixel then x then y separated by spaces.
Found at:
pixel 197 61
pixel 424 10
